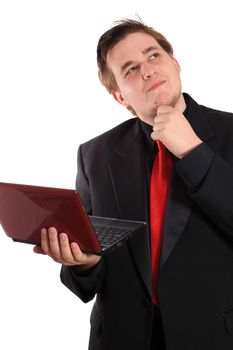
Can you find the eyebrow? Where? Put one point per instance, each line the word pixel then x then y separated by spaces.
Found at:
pixel 144 51
pixel 148 49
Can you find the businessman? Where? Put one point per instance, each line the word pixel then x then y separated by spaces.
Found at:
pixel 189 303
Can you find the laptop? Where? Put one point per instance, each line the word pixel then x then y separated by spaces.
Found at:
pixel 26 209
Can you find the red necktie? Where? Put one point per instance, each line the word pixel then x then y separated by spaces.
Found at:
pixel 159 186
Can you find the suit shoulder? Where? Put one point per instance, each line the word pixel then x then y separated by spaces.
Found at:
pixel 221 122
pixel 218 115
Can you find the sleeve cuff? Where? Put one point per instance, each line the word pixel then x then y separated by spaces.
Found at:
pixel 88 278
pixel 195 165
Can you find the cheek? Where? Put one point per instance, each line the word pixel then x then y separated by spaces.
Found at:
pixel 131 93
pixel 176 74
pixel 177 82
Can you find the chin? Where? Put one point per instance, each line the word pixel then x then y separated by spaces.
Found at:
pixel 164 100
pixel 167 99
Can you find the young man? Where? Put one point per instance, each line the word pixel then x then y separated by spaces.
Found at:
pixel 194 283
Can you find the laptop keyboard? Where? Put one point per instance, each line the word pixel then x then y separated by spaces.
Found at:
pixel 108 235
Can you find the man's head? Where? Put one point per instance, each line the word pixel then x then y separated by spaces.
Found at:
pixel 136 65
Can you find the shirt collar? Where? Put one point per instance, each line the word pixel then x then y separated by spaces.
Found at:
pixel 187 103
pixel 147 130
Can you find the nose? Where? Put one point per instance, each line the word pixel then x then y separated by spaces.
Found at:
pixel 148 70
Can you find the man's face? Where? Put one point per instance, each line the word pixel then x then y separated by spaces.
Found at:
pixel 146 75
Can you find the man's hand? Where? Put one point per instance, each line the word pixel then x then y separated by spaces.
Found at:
pixel 62 251
pixel 174 131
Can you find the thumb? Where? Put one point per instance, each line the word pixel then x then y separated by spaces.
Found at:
pixel 38 250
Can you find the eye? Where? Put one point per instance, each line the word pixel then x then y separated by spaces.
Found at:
pixel 131 70
pixel 153 56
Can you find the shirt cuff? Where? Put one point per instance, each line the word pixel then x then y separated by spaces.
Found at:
pixel 195 165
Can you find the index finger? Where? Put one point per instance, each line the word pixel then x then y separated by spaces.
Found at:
pixel 164 109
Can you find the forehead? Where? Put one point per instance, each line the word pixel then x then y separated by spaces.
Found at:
pixel 130 48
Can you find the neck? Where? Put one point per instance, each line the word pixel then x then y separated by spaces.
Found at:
pixel 180 104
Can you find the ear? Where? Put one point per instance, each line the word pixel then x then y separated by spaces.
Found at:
pixel 119 98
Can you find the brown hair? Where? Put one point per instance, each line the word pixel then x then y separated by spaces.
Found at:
pixel 114 35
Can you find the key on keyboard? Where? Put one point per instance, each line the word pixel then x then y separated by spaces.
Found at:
pixel 108 235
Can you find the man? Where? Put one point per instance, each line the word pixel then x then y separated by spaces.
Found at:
pixel 194 283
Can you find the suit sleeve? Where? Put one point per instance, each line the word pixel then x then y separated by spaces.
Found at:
pixel 85 284
pixel 209 179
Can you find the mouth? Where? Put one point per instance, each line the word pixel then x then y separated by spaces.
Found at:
pixel 156 85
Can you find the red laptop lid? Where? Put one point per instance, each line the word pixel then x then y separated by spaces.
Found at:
pixel 26 209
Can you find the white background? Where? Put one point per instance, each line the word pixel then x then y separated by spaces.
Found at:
pixel 51 101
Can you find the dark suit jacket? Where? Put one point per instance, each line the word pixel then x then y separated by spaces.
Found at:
pixel 195 283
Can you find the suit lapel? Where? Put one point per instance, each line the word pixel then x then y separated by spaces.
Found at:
pixel 179 203
pixel 127 172
pixel 177 213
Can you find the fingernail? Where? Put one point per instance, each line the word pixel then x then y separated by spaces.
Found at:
pixel 52 230
pixel 62 237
